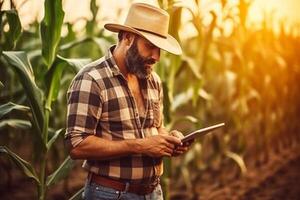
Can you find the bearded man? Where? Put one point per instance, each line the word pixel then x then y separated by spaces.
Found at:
pixel 115 120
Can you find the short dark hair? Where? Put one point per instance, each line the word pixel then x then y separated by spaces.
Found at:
pixel 120 35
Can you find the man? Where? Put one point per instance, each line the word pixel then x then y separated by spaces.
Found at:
pixel 114 117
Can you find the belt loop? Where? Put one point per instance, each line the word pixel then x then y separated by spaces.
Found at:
pixel 126 187
pixel 89 178
pixel 125 190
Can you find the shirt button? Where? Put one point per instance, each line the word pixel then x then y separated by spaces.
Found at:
pixel 136 114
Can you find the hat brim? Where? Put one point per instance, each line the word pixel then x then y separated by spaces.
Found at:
pixel 168 43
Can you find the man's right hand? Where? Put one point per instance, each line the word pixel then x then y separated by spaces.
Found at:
pixel 159 145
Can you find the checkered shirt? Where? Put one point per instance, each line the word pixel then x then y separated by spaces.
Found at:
pixel 100 103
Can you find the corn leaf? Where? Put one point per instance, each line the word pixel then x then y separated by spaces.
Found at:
pixel 178 120
pixel 23 165
pixel 15 28
pixel 61 172
pixel 55 73
pixel 51 29
pixel 193 65
pixel 103 43
pixel 54 137
pixel 15 123
pixel 8 107
pixel 77 195
pixel 20 63
pixel 182 99
pixel 74 43
pixel 186 177
pixel 238 159
pixel 75 63
pixel 54 78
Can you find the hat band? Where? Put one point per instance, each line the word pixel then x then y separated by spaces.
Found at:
pixel 139 29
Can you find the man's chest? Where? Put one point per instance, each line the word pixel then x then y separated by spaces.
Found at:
pixel 136 92
pixel 126 105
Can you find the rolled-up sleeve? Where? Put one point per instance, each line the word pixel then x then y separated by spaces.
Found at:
pixel 84 107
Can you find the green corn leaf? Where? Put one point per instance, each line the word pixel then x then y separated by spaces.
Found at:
pixel 23 165
pixel 103 43
pixel 55 73
pixel 182 99
pixel 166 104
pixel 77 195
pixel 20 63
pixel 51 29
pixel 15 123
pixel 75 63
pixel 238 159
pixel 25 125
pixel 74 43
pixel 54 78
pixel 8 107
pixel 61 172
pixel 54 137
pixel 15 28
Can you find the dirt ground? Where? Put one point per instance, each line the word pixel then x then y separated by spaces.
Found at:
pixel 279 179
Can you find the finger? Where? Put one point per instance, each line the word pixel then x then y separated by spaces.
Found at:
pixel 177 134
pixel 167 154
pixel 177 153
pixel 183 148
pixel 188 143
pixel 173 140
pixel 168 150
pixel 170 145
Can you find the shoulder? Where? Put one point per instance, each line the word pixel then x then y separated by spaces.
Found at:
pixel 93 69
pixel 91 75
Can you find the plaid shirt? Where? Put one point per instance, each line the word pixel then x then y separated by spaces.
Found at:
pixel 100 103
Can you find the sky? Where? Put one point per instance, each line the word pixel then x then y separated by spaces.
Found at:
pixel 289 10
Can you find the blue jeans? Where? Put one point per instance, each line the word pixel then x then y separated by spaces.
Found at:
pixel 92 191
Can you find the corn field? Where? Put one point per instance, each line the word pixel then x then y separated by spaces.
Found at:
pixel 244 76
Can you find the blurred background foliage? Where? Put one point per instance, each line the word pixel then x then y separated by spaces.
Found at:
pixel 244 76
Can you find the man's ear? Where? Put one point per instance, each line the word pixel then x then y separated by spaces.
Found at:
pixel 128 39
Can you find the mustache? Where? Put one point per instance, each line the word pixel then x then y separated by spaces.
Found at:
pixel 150 61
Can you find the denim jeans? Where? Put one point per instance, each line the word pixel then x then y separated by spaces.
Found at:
pixel 92 191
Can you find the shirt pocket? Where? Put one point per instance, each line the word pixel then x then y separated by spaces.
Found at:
pixel 155 113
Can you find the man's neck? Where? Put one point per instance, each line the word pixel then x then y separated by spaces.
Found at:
pixel 119 56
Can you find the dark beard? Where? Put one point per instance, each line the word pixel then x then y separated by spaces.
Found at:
pixel 135 63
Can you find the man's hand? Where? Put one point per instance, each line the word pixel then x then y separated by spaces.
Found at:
pixel 178 150
pixel 159 145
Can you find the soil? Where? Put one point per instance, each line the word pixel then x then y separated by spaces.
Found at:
pixel 279 179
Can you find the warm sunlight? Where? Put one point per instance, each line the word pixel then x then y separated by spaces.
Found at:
pixel 278 10
pixel 79 82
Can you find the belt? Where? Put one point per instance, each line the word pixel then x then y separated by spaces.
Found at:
pixel 140 189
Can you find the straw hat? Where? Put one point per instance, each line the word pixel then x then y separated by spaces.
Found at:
pixel 151 23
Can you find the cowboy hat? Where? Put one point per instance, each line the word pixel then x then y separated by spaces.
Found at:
pixel 151 23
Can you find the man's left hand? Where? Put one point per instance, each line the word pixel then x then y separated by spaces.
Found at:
pixel 178 150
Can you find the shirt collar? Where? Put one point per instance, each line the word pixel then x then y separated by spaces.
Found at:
pixel 111 61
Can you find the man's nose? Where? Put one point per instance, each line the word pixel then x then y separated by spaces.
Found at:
pixel 156 54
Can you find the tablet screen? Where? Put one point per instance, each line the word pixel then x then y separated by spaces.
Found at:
pixel 201 132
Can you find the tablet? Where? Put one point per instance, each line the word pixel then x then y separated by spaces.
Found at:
pixel 201 132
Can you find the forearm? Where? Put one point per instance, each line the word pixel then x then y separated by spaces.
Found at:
pixel 97 148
